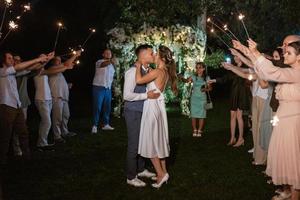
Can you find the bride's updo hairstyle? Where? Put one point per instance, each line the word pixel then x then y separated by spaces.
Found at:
pixel 166 55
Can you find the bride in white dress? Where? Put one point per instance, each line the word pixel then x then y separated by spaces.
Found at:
pixel 154 137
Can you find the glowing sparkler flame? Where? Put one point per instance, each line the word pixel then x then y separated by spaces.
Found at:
pixel 275 121
pixel 27 7
pixel 241 16
pixel 250 77
pixel 12 25
pixel 8 2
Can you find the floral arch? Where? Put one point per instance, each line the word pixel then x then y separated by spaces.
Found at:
pixel 187 43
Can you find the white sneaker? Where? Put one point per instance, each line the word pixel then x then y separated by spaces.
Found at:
pixel 251 150
pixel 146 174
pixel 94 130
pixel 108 127
pixel 136 182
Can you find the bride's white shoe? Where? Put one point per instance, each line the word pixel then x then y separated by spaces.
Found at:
pixel 163 180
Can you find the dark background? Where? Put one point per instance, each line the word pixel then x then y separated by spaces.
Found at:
pixel 37 31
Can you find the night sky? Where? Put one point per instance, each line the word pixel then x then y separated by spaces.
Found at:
pixel 37 31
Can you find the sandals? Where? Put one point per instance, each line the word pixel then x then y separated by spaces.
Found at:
pixel 195 133
pixel 199 133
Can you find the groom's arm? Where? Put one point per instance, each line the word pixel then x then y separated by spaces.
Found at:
pixel 129 85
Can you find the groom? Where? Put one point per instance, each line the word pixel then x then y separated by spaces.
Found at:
pixel 134 97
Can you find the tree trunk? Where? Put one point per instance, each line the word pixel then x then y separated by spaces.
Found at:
pixel 201 19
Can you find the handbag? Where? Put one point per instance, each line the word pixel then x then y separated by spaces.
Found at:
pixel 209 104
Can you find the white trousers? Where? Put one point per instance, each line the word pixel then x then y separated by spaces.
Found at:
pixel 60 117
pixel 44 108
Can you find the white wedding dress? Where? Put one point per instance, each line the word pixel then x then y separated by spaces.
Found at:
pixel 154 136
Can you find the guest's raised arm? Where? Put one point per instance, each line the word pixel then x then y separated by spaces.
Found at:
pixel 73 58
pixel 239 71
pixel 24 65
pixel 245 60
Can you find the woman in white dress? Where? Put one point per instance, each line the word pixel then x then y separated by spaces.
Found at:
pixel 154 137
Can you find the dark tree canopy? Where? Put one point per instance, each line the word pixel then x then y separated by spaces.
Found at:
pixel 267 21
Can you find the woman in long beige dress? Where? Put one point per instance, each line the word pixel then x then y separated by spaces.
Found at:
pixel 284 150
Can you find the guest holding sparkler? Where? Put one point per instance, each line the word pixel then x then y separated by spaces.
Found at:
pixel 60 96
pixel 284 154
pixel 102 83
pixel 11 114
pixel 239 102
pixel 43 100
pixel 266 127
pixel 259 97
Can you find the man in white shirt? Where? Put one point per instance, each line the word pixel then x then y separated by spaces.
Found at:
pixel 104 76
pixel 11 114
pixel 43 102
pixel 60 97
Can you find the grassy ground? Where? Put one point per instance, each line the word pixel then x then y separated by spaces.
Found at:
pixel 91 167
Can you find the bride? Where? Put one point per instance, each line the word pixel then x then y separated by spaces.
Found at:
pixel 154 137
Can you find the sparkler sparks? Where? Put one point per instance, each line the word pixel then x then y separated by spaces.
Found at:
pixel 275 121
pixel 12 25
pixel 8 3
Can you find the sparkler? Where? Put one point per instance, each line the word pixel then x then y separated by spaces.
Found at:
pixel 12 26
pixel 275 121
pixel 212 30
pixel 27 7
pixel 209 20
pixel 225 27
pixel 241 17
pixel 60 26
pixel 92 31
pixel 250 77
pixel 8 3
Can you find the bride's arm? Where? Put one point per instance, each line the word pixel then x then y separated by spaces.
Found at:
pixel 152 75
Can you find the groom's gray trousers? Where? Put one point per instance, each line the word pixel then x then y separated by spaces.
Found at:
pixel 135 163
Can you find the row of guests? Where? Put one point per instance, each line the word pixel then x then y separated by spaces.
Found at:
pixel 52 92
pixel 275 93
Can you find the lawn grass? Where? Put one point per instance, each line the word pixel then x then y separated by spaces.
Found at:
pixel 92 167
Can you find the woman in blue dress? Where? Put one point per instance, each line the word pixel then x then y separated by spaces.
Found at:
pixel 198 98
